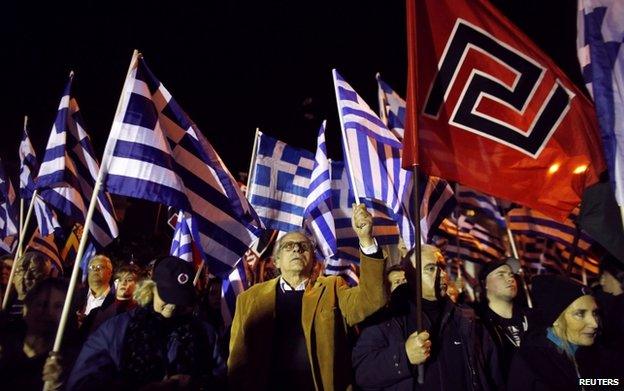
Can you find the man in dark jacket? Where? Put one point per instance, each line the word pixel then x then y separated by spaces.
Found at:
pixel 454 349
pixel 505 320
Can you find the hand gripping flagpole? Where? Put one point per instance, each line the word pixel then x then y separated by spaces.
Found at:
pixel 87 225
pixel 345 142
pixel 412 122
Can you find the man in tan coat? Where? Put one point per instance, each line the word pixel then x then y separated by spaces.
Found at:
pixel 291 332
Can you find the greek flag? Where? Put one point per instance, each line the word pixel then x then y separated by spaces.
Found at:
pixel 601 55
pixel 231 287
pixel 155 152
pixel 318 211
pixel 8 213
pixel 182 243
pixel 28 166
pixel 68 172
pixel 46 218
pixel 467 241
pixel 436 195
pixel 375 152
pixel 384 227
pixel 391 108
pixel 469 199
pixel 279 184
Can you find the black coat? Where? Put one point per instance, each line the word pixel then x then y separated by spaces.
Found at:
pixel 463 353
pixel 540 365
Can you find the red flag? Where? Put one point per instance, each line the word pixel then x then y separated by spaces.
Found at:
pixel 494 112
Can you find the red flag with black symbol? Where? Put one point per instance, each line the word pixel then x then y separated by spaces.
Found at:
pixel 490 110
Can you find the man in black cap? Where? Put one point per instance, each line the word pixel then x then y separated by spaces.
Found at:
pixel 505 321
pixel 158 344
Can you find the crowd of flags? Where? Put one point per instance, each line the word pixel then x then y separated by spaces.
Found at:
pixel 155 152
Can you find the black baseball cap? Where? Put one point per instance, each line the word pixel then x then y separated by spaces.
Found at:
pixel 174 280
pixel 489 267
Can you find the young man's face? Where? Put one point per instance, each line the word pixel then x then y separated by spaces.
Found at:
pixel 501 284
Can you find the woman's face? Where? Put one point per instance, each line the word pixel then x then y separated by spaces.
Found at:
pixel 580 321
pixel 161 307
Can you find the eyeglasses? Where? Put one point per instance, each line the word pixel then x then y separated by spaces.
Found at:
pixel 97 268
pixel 289 246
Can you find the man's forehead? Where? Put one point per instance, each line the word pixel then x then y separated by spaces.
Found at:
pixel 294 236
pixel 501 269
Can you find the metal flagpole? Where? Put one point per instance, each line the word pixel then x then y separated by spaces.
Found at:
pixel 87 225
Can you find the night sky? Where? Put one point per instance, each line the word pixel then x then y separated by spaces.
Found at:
pixel 233 65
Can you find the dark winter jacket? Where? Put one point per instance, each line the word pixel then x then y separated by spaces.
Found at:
pixel 540 365
pixel 100 365
pixel 463 353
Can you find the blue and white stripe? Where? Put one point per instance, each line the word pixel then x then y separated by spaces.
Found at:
pixel 375 152
pixel 155 152
pixel 279 186
pixel 182 243
pixel 600 45
pixel 68 172
pixel 46 218
pixel 318 212
pixel 391 108
pixel 8 212
pixel 231 287
pixel 28 166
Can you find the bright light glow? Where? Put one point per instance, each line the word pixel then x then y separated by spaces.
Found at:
pixel 554 168
pixel 580 169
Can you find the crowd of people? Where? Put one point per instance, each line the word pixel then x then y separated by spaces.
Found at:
pixel 153 328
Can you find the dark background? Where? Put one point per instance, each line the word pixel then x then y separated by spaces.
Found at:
pixel 232 65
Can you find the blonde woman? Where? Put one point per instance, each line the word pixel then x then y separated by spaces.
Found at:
pixel 158 344
pixel 565 324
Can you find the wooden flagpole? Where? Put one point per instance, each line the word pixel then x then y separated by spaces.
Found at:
pixel 254 155
pixel 88 219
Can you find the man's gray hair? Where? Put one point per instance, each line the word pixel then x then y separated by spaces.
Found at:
pixel 102 258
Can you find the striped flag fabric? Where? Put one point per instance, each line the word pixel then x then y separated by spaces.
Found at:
pixel 319 219
pixel 155 152
pixel 231 286
pixel 469 199
pixel 375 152
pixel 28 166
pixel 8 213
pixel 524 221
pixel 467 241
pixel 601 56
pixel 182 243
pixel 45 244
pixel 391 108
pixel 69 169
pixel 279 185
pixel 46 218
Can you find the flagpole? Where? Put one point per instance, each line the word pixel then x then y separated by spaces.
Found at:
pixel 345 143
pixel 21 217
pixel 577 236
pixel 87 225
pixel 18 252
pixel 254 155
